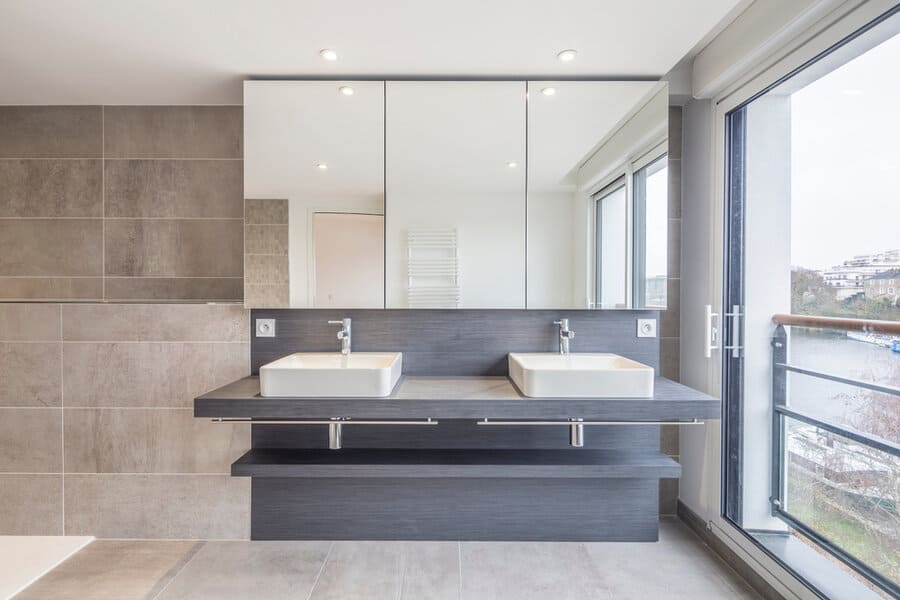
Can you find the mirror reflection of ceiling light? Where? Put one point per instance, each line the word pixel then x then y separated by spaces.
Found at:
pixel 512 164
pixel 548 91
pixel 322 166
pixel 567 55
pixel 346 90
pixel 328 54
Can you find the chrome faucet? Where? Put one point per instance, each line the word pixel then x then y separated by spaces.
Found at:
pixel 565 334
pixel 343 334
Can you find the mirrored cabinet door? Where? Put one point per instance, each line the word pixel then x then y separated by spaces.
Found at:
pixel 314 190
pixel 587 141
pixel 455 173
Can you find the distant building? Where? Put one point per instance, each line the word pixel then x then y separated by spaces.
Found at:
pixel 884 285
pixel 849 278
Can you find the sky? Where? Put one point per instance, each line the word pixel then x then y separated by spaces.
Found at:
pixel 845 161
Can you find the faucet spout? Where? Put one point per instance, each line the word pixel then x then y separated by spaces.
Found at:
pixel 565 334
pixel 343 335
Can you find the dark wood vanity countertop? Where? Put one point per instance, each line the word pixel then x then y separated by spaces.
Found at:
pixel 417 397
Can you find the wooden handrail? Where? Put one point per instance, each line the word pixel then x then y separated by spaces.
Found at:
pixel 843 324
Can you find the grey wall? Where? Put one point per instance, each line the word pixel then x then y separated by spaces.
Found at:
pixel 121 203
pixel 670 319
pixel 97 435
pixel 455 342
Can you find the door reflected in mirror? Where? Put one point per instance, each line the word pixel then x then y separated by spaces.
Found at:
pixel 322 151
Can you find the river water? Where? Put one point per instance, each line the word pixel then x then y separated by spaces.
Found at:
pixel 834 353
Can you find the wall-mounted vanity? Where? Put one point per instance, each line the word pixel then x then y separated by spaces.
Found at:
pixel 447 235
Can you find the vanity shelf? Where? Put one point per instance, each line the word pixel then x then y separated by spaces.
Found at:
pixel 455 463
pixel 420 397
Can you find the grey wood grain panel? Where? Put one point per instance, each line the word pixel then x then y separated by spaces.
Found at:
pixel 670 401
pixel 455 509
pixel 417 463
pixel 454 342
pixel 455 433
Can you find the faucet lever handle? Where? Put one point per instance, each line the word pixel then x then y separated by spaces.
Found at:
pixel 335 322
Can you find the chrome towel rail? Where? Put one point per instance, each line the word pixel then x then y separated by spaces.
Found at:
pixel 580 422
pixel 576 426
pixel 343 421
pixel 335 425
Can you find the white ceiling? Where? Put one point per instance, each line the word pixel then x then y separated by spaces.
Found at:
pixel 198 51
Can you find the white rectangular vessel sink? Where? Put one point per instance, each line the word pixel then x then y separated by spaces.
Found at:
pixel 326 374
pixel 580 375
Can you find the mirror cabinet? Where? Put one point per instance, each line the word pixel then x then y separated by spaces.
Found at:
pixel 455 194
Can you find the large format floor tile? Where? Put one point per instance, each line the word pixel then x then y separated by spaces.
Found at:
pixel 113 570
pixel 529 571
pixel 678 566
pixel 250 570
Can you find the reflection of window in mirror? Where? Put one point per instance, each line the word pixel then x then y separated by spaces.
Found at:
pixel 349 260
pixel 650 234
pixel 611 247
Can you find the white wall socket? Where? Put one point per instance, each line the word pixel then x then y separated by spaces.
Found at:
pixel 646 328
pixel 265 328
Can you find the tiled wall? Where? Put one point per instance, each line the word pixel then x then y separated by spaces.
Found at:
pixel 97 434
pixel 130 203
pixel 669 320
pixel 266 265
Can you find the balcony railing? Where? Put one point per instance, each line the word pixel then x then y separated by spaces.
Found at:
pixel 852 470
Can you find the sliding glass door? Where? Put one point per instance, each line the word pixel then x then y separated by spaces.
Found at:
pixel 810 327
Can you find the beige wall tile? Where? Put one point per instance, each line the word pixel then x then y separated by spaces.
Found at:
pixel 673 267
pixel 50 131
pixel 51 288
pixel 130 571
pixel 155 322
pixel 158 506
pixel 266 212
pixel 29 322
pixel 675 132
pixel 31 505
pixel 669 358
pixel 668 496
pixel 670 319
pixel 266 269
pixel 30 440
pixel 174 131
pixel 150 440
pixel 30 374
pixel 165 289
pixel 266 239
pixel 668 439
pixel 674 197
pixel 174 248
pixel 148 374
pixel 174 188
pixel 267 296
pixel 50 247
pixel 50 188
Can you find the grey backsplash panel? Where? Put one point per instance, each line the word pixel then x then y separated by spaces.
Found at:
pixel 454 342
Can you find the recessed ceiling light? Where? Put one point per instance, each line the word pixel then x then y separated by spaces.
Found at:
pixel 567 55
pixel 512 164
pixel 328 54
pixel 346 90
pixel 322 166
pixel 548 91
